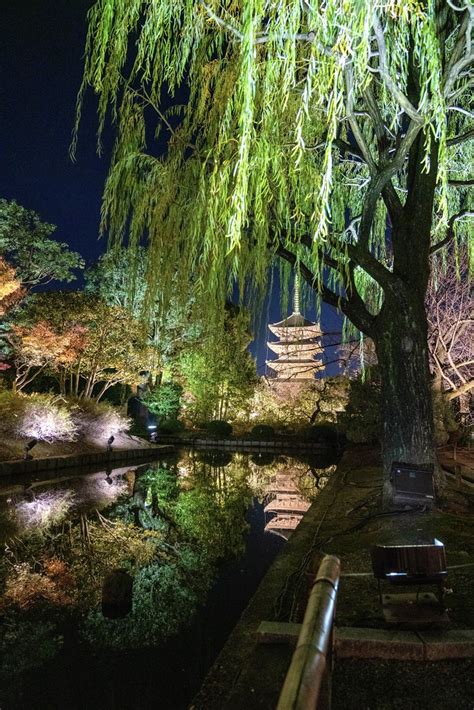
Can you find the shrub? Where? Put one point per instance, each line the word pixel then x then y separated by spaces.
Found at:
pixel 98 420
pixel 362 420
pixel 26 644
pixel 11 411
pixel 263 458
pixel 45 510
pixel 170 426
pixel 165 400
pixel 263 431
pixel 45 417
pixel 325 432
pixel 218 428
pixel 25 589
pixel 165 597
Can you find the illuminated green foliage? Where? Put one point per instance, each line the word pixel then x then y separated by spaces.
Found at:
pixel 26 243
pixel 219 374
pixel 172 325
pixel 298 116
pixel 165 400
pixel 335 134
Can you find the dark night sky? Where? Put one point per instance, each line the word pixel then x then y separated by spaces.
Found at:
pixel 41 51
pixel 41 64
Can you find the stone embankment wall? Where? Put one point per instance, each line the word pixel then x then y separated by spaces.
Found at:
pixel 248 444
pixel 105 458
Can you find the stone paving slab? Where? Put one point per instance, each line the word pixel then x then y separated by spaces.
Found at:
pixel 378 643
pixel 404 645
pixel 278 632
pixel 455 643
pixel 401 645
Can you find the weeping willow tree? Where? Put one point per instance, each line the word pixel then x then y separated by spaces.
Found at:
pixel 335 135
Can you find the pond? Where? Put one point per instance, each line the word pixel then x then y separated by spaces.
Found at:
pixel 192 535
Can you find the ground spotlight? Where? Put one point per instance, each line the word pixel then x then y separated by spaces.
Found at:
pixel 26 452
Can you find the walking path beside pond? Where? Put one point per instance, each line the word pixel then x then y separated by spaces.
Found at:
pixel 347 520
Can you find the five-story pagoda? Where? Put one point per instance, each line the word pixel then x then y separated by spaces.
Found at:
pixel 298 347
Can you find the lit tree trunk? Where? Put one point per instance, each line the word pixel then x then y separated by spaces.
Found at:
pixel 62 381
pixel 407 413
pixel 400 332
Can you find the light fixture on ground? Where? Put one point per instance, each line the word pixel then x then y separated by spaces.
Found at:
pixel 26 453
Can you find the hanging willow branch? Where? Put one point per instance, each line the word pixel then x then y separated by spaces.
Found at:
pixel 281 119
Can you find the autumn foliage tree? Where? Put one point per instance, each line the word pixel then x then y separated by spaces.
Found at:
pixel 40 346
pixel 87 344
pixel 11 290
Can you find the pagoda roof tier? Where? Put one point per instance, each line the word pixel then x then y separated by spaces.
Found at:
pixel 283 483
pixel 284 522
pixel 292 333
pixel 282 348
pixel 296 320
pixel 283 363
pixel 286 364
pixel 295 371
pixel 287 504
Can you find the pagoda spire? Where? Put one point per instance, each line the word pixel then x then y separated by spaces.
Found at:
pixel 296 295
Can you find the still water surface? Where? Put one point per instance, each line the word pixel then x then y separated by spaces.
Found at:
pixel 196 533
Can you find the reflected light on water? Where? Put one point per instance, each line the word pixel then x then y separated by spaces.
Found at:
pixel 44 509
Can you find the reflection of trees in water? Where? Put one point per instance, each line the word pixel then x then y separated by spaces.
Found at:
pixel 262 458
pixel 170 528
pixel 321 475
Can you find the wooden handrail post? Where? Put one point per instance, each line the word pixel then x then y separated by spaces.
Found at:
pixel 307 684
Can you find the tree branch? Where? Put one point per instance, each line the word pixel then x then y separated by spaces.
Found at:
pixel 345 147
pixel 450 231
pixel 263 38
pixel 461 138
pixel 461 183
pixel 457 61
pixel 380 181
pixel 399 96
pixel 360 316
pixel 354 124
pixel 461 390
pixel 222 23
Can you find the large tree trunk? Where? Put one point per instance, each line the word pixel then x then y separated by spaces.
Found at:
pixel 401 330
pixel 407 412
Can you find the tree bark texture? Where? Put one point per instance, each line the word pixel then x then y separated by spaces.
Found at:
pixel 407 412
pixel 401 329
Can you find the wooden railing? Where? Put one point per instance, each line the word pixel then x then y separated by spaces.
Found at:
pixel 308 681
